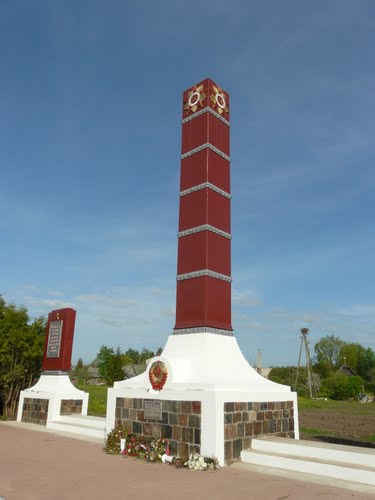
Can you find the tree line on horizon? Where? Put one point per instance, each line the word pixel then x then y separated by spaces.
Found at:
pixel 331 353
pixel 22 344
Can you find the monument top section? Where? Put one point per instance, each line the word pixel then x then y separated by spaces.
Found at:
pixel 206 96
pixel 203 298
pixel 59 340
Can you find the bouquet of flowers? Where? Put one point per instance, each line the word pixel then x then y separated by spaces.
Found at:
pixel 160 447
pixel 112 444
pixel 198 462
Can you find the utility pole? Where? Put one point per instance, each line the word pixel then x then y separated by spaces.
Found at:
pixel 305 344
pixel 259 367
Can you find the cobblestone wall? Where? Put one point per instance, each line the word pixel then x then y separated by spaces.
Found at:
pixel 35 411
pixel 180 423
pixel 243 421
pixel 71 406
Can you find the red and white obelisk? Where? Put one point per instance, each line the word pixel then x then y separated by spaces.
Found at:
pixel 201 371
pixel 204 239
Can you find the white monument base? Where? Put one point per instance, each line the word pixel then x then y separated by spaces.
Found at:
pixel 45 399
pixel 212 400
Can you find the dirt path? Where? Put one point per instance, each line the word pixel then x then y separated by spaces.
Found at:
pixel 44 466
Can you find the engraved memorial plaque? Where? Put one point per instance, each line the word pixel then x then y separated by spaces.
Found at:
pixel 153 409
pixel 54 339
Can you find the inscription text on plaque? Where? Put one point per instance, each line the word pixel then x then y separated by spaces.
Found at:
pixel 153 409
pixel 54 339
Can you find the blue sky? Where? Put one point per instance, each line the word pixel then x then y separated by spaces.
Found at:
pixel 90 96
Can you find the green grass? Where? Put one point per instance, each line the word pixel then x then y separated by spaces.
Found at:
pixel 306 430
pixel 97 399
pixel 348 407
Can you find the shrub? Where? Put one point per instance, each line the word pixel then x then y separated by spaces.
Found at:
pixel 341 387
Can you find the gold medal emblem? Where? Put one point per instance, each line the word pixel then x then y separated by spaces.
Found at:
pixel 219 101
pixel 195 99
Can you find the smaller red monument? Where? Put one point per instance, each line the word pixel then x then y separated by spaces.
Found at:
pixel 59 340
pixel 54 397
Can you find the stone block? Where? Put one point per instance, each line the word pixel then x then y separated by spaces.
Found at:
pixel 187 435
pixel 249 406
pixel 176 433
pixel 156 430
pixel 237 417
pixel 240 430
pixel 260 415
pixel 171 406
pixel 291 424
pixel 166 431
pixel 256 406
pixel 147 429
pixel 137 427
pixel 183 450
pixel 132 414
pixel 228 418
pixel 128 402
pixel 246 443
pixel 272 426
pixel 257 428
pixel 196 406
pixel 249 429
pixel 285 413
pixel 186 407
pixel 197 436
pixel 140 415
pixel 264 406
pixel 137 403
pixel 230 432
pixel 285 425
pixel 194 421
pixel 265 427
pixel 228 450
pixel 237 448
pixel 245 416
pixel 164 417
pixel 271 405
pixel 268 415
pixel 228 406
pixel 183 420
pixel 173 447
pixel 124 413
pixel 289 404
pixel 120 402
pixel 173 418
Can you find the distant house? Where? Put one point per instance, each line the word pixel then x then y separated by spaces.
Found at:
pixel 131 371
pixel 346 370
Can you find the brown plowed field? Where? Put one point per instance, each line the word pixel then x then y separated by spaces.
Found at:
pixel 342 420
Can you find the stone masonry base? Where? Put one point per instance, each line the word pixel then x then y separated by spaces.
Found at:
pixel 35 411
pixel 180 423
pixel 243 421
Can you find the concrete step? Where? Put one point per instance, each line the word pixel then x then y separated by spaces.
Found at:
pixel 80 424
pixel 312 449
pixel 85 420
pixel 313 458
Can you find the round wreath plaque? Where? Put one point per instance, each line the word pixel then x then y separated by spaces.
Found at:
pixel 158 375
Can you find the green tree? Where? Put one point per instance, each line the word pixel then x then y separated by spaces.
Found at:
pixel 80 371
pixel 110 363
pixel 327 354
pixel 21 353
